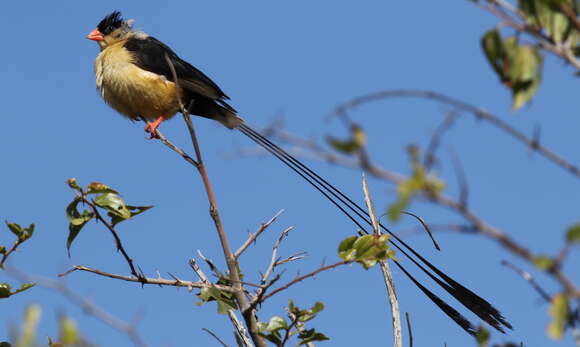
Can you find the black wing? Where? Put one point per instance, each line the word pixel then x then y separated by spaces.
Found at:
pixel 150 54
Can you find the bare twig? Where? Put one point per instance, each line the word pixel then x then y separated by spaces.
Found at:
pixel 252 238
pixel 387 275
pixel 86 305
pixel 528 277
pixel 477 112
pixel 147 280
pixel 214 336
pixel 303 277
pixel 409 329
pixel 274 259
pixel 5 256
pixel 434 142
pixel 461 179
pixel 425 228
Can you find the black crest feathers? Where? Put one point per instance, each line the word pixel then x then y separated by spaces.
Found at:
pixel 111 23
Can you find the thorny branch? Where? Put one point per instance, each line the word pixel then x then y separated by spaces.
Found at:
pixel 303 277
pixel 252 238
pixel 149 280
pixel 231 261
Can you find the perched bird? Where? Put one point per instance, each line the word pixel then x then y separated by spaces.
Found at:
pixel 134 76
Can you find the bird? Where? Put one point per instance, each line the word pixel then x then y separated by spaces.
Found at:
pixel 144 79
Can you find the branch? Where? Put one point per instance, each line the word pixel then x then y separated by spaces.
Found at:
pixel 214 336
pixel 479 113
pixel 255 235
pixel 146 280
pixel 86 305
pixel 240 329
pixel 231 261
pixel 515 19
pixel 302 278
pixel 387 275
pixel 5 256
pixel 118 242
pixel 478 225
pixel 528 277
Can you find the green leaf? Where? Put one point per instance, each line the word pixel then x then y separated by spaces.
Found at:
pixel 54 344
pixel 482 336
pixel 573 234
pixel 276 323
pixel 306 315
pixel 273 337
pixel 23 287
pixel 77 221
pixel 113 203
pixel 526 71
pixel 5 344
pixel 366 250
pixel 69 334
pixel 2 250
pixel 559 312
pixel 492 46
pixel 97 188
pixel 345 250
pixel 311 335
pixel 224 300
pixel 72 182
pixel 134 210
pixel 543 262
pixel 5 290
pixel 353 144
pixel 15 228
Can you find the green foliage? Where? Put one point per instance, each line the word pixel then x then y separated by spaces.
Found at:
pixel 356 141
pixel 418 182
pixel 547 15
pixel 23 234
pixel 69 334
pixel 367 250
pixel 6 289
pixel 559 309
pixel 573 234
pixel 518 66
pixel 543 262
pixel 482 336
pixel 278 330
pixel 225 300
pixel 105 198
pixel 27 335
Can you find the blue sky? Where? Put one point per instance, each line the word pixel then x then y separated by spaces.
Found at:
pixel 297 61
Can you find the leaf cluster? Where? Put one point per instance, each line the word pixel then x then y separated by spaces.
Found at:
pixel 278 330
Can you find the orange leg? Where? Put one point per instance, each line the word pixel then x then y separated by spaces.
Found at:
pixel 151 127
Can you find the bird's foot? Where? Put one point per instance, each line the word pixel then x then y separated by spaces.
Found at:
pixel 151 128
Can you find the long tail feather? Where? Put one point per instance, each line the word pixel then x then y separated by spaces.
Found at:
pixel 472 301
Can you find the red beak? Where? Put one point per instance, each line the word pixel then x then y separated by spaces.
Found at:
pixel 95 35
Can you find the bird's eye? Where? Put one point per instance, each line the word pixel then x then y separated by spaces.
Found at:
pixel 110 29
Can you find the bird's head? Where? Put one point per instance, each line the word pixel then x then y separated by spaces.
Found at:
pixel 111 29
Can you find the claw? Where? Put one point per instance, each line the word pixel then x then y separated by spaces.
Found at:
pixel 151 127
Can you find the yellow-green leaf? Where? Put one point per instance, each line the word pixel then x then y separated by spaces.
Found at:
pixel 559 313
